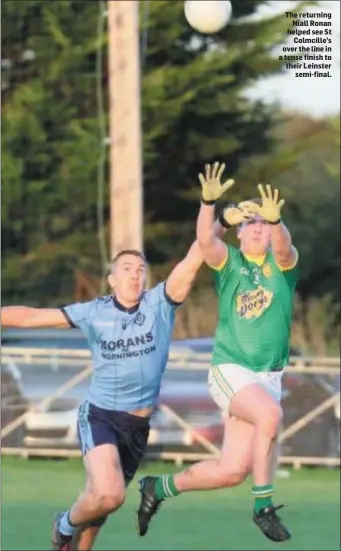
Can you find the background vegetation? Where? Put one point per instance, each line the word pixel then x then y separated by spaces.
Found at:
pixel 194 110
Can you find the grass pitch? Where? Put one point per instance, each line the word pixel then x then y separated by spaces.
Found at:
pixel 33 490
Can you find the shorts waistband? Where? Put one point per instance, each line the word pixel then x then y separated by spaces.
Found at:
pixel 140 416
pixel 265 371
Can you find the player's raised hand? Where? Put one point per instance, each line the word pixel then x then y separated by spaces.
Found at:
pixel 233 215
pixel 270 209
pixel 212 188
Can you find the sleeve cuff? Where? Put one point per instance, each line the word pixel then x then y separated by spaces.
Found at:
pixel 67 317
pixel 220 266
pixel 292 265
pixel 169 299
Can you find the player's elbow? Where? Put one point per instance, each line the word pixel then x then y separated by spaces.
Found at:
pixel 285 258
pixel 205 239
pixel 178 294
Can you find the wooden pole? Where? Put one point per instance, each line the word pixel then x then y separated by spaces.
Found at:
pixel 186 426
pixel 308 417
pixel 126 200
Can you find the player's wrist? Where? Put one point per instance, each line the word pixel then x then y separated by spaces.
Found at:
pixel 209 202
pixel 223 222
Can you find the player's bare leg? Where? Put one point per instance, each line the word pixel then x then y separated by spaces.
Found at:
pixel 245 443
pixel 230 469
pixel 104 493
pixel 254 405
pixel 86 538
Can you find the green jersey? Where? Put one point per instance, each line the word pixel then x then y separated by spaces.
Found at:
pixel 255 312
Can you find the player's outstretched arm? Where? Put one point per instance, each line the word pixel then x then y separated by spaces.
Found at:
pixel 23 316
pixel 213 250
pixel 179 282
pixel 209 246
pixel 284 252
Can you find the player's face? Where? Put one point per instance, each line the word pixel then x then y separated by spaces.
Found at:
pixel 254 236
pixel 128 278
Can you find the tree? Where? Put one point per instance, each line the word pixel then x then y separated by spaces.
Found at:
pixel 50 144
pixel 312 191
pixel 194 111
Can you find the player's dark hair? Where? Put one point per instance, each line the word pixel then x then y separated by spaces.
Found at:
pixel 124 252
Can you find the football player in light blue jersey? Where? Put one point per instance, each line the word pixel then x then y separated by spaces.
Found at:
pixel 129 344
pixel 129 334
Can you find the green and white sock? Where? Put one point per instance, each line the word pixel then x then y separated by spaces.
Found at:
pixel 263 496
pixel 165 487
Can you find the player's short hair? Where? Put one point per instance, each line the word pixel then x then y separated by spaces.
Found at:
pixel 124 252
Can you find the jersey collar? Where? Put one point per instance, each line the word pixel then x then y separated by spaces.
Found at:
pixel 120 306
pixel 259 260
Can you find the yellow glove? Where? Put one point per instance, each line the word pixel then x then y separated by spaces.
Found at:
pixel 270 209
pixel 233 215
pixel 212 189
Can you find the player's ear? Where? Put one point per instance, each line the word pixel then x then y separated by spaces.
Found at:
pixel 111 281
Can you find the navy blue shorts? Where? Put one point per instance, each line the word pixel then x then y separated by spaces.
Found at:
pixel 129 433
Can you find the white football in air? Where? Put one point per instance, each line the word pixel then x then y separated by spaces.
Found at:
pixel 208 16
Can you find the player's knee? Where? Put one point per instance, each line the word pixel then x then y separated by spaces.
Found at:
pixel 113 501
pixel 271 421
pixel 231 477
pixel 108 502
pixel 234 479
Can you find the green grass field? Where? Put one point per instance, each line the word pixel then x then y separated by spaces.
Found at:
pixel 32 491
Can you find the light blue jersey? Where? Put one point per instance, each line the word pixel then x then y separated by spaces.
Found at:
pixel 129 347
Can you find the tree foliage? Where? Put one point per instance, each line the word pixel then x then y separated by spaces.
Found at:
pixel 194 110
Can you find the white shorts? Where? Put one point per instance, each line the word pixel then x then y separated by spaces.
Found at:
pixel 225 380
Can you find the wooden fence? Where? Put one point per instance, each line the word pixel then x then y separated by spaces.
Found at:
pixel 15 360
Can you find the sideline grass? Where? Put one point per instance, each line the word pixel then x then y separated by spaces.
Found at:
pixel 32 491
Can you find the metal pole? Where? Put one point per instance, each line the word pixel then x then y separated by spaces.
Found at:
pixel 126 199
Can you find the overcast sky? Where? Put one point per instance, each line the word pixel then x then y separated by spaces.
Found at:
pixel 318 96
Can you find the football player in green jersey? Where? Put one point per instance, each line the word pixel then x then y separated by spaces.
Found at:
pixel 255 285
